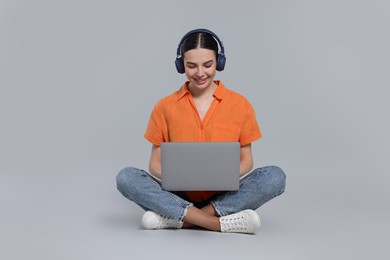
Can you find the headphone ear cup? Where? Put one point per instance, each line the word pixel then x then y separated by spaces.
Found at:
pixel 179 65
pixel 221 60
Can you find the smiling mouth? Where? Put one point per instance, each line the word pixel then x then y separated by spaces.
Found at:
pixel 201 81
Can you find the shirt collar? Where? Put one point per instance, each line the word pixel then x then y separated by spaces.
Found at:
pixel 218 94
pixel 183 91
pixel 220 91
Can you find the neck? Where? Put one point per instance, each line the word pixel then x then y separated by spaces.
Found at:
pixel 201 93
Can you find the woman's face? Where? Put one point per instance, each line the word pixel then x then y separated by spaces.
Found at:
pixel 200 67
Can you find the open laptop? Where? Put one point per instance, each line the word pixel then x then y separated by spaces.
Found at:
pixel 191 166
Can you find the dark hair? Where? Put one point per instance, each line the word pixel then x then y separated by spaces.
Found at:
pixel 199 40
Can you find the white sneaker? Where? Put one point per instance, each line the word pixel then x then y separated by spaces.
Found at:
pixel 152 220
pixel 246 221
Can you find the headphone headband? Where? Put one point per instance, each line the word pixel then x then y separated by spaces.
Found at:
pixel 221 59
pixel 222 51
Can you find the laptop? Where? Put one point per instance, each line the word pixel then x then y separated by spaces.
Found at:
pixel 200 166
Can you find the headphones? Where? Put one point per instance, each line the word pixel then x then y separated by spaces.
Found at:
pixel 221 59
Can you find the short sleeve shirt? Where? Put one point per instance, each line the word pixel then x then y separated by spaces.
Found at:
pixel 230 118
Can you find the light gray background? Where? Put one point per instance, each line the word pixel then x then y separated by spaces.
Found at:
pixel 79 79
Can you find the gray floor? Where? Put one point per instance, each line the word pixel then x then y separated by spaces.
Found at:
pixel 80 215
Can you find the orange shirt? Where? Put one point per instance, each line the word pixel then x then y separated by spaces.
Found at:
pixel 175 118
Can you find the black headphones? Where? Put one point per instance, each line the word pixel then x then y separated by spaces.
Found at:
pixel 221 59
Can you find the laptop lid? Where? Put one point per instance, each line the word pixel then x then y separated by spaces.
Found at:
pixel 203 166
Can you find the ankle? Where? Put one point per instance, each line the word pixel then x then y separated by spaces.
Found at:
pixel 188 225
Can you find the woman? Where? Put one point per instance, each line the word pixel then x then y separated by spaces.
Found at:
pixel 204 110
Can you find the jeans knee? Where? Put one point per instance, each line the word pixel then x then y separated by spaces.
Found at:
pixel 278 178
pixel 272 179
pixel 124 178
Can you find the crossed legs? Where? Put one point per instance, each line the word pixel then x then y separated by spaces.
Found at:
pixel 256 188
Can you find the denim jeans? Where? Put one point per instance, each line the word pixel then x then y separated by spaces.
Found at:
pixel 256 188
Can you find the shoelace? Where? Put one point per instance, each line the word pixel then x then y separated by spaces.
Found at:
pixel 236 223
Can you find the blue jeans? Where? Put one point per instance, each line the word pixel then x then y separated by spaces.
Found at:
pixel 256 188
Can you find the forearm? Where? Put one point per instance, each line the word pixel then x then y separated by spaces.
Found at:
pixel 246 160
pixel 245 166
pixel 155 162
pixel 155 169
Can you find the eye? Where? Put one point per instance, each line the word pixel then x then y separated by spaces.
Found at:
pixel 208 64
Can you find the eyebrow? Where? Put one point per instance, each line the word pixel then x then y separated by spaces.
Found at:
pixel 192 63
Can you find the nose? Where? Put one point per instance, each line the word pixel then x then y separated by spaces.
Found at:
pixel 199 72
